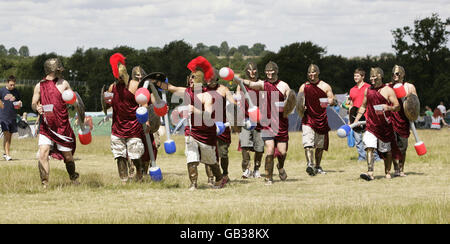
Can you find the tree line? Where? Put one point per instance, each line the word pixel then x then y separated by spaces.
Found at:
pixel 421 49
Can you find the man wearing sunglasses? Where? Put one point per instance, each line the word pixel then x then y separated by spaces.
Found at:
pixel 400 121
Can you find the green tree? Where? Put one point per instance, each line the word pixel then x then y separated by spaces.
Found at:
pixel 423 52
pixel 3 51
pixel 24 51
pixel 224 48
pixel 258 48
pixel 201 48
pixel 214 50
pixel 244 50
pixel 12 51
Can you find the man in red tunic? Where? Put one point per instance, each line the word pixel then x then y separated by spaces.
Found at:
pixel 318 95
pixel 354 100
pixel 250 140
pixel 127 135
pixel 378 104
pixel 275 125
pixel 399 120
pixel 220 95
pixel 55 126
pixel 200 135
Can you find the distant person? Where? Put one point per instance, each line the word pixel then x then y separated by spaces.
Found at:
pixel 25 129
pixel 442 108
pixel 436 119
pixel 427 118
pixel 355 100
pixel 11 100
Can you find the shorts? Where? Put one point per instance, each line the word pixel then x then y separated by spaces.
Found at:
pixel 132 148
pixel 10 126
pixel 252 139
pixel 310 138
pixel 370 140
pixel 199 152
pixel 44 140
pixel 402 142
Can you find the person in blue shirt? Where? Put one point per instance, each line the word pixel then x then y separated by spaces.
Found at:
pixel 10 98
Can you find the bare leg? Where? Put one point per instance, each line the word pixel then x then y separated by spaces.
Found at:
pixel 6 142
pixel 139 168
pixel 318 154
pixel 193 175
pixel 44 165
pixel 370 165
pixel 282 148
pixel 388 164
pixel 209 174
pixel 122 166
pixel 270 148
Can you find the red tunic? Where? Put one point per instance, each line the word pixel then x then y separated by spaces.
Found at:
pixel 220 104
pixel 399 120
pixel 279 125
pixel 380 125
pixel 58 122
pixel 316 116
pixel 125 124
pixel 202 133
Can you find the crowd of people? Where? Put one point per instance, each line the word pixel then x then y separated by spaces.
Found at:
pixel 383 137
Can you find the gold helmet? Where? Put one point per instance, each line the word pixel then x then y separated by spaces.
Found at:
pixel 272 71
pixel 137 73
pixel 53 65
pixel 398 71
pixel 376 77
pixel 313 72
pixel 251 71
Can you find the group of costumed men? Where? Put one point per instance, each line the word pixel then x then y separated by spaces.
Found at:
pixel 205 103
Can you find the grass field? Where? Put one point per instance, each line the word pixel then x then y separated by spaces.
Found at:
pixel 338 197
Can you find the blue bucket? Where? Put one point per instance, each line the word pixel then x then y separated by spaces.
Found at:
pixel 170 147
pixel 155 174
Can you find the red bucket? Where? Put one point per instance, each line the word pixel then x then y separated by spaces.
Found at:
pixel 400 91
pixel 420 148
pixel 85 136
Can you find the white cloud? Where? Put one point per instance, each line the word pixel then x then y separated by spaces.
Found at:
pixel 348 28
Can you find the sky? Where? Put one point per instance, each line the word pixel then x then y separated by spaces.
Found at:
pixel 344 27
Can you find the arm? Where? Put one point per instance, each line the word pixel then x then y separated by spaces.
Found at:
pixel 393 99
pixel 412 89
pixel 176 89
pixel 35 101
pixel 302 88
pixel 362 109
pixel 256 85
pixel 331 99
pixel 228 95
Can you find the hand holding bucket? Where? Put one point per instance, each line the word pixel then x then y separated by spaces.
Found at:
pixel 17 104
pixel 344 130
